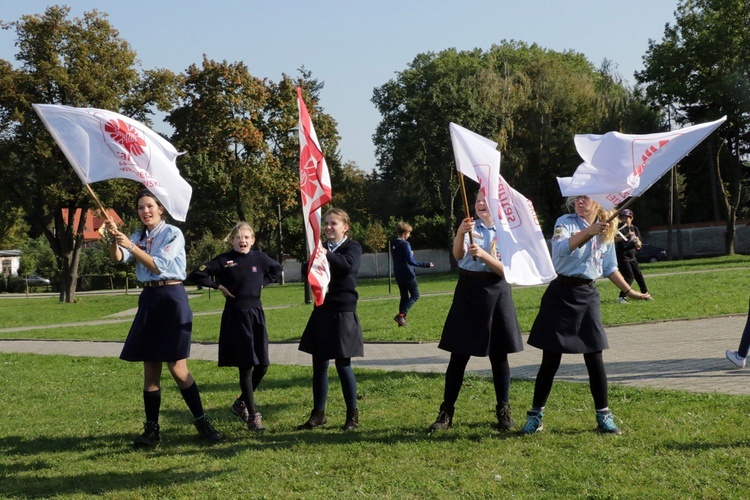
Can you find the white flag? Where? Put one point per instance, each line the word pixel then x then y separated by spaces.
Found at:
pixel 100 145
pixel 522 245
pixel 616 166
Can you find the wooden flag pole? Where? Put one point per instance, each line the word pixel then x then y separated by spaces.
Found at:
pixel 466 204
pixel 612 217
pixel 98 202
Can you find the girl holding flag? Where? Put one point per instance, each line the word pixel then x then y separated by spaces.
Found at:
pixel 163 324
pixel 482 319
pixel 333 330
pixel 569 319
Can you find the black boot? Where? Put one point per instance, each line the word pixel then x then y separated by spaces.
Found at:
pixel 444 420
pixel 504 420
pixel 317 418
pixel 206 430
pixel 149 437
pixel 352 420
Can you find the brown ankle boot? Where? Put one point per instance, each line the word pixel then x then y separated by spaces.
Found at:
pixel 504 420
pixel 317 418
pixel 352 420
pixel 444 420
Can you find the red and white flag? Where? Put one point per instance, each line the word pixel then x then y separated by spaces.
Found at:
pixel 315 187
pixel 100 145
pixel 522 245
pixel 617 166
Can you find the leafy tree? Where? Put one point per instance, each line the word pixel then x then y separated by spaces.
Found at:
pixel 242 151
pixel 700 71
pixel 78 62
pixel 530 100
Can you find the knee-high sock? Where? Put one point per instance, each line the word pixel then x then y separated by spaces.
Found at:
pixel 192 397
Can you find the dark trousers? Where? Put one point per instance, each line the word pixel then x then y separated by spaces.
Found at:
pixel 745 340
pixel 630 271
pixel 409 294
pixel 454 377
pixel 548 369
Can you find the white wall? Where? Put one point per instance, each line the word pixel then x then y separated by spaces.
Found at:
pixel 376 265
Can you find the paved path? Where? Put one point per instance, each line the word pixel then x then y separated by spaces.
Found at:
pixel 685 355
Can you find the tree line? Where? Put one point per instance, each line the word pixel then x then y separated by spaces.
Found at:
pixel 238 131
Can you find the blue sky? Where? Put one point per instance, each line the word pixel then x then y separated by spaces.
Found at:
pixel 356 45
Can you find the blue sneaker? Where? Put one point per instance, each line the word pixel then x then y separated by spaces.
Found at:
pixel 533 422
pixel 606 423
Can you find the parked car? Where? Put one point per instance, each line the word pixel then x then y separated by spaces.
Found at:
pixel 651 253
pixel 34 280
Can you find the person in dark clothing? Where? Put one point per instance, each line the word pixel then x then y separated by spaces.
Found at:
pixel 482 318
pixel 333 330
pixel 627 244
pixel 403 271
pixel 241 274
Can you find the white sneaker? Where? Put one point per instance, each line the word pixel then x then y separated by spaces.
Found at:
pixel 735 358
pixel 622 300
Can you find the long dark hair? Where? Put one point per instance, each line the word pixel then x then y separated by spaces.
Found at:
pixel 151 195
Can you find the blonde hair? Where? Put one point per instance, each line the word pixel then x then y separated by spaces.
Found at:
pixel 607 236
pixel 241 226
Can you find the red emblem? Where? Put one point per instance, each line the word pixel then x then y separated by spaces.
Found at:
pixel 126 136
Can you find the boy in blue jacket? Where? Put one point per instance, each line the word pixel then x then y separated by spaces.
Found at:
pixel 403 271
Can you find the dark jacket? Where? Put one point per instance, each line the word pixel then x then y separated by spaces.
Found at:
pixel 403 260
pixel 626 249
pixel 342 294
pixel 244 275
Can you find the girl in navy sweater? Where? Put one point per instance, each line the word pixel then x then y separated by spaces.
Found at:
pixel 240 276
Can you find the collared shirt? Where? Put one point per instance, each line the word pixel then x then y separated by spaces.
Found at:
pixel 592 260
pixel 333 246
pixel 485 237
pixel 166 245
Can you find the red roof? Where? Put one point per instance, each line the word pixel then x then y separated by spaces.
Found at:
pixel 93 222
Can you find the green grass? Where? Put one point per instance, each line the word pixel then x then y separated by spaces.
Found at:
pixel 682 290
pixel 674 444
pixel 68 422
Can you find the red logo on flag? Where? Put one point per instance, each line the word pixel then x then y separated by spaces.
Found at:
pixel 126 136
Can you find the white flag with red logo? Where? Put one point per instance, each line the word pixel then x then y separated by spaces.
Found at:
pixel 523 248
pixel 617 166
pixel 100 145
pixel 315 187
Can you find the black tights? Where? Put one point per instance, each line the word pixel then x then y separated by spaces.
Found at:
pixel 548 369
pixel 454 377
pixel 320 382
pixel 250 379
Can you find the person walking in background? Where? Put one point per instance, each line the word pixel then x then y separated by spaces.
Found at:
pixel 403 271
pixel 482 319
pixel 241 275
pixel 738 357
pixel 333 330
pixel 163 325
pixel 569 318
pixel 627 244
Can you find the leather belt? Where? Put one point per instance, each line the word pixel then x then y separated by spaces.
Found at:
pixel 571 281
pixel 478 274
pixel 153 284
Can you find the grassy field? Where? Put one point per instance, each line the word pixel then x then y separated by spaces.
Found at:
pixel 68 422
pixel 682 289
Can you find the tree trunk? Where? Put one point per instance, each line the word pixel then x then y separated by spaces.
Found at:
pixel 66 241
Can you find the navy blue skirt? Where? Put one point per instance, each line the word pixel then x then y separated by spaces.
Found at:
pixel 569 320
pixel 331 334
pixel 162 327
pixel 243 338
pixel 482 319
